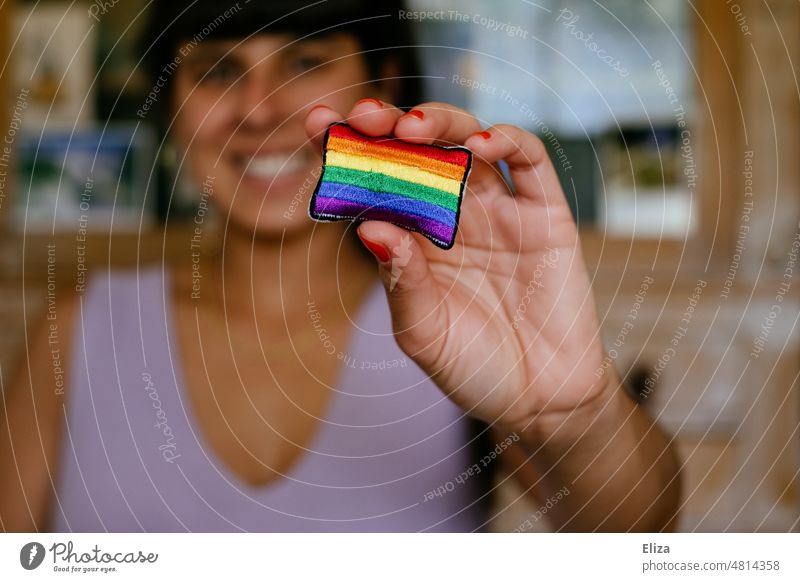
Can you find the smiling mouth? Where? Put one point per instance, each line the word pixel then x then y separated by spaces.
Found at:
pixel 269 166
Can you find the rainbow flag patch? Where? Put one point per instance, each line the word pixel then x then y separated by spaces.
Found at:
pixel 417 187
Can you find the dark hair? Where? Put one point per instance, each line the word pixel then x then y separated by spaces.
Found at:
pixel 381 35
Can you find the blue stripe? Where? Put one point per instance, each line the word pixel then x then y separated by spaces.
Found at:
pixel 388 201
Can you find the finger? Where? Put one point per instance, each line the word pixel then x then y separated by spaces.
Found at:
pixel 373 117
pixel 436 122
pixel 410 288
pixel 531 170
pixel 318 119
pixel 447 125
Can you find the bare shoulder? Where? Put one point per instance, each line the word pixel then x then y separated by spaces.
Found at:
pixel 32 417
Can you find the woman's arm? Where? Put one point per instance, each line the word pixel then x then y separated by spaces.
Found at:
pixel 505 322
pixel 603 467
pixel 31 422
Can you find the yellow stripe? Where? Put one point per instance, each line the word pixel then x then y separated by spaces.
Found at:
pixel 334 158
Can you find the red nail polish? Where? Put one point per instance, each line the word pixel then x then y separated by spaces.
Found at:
pixel 416 113
pixel 484 134
pixel 377 249
pixel 370 100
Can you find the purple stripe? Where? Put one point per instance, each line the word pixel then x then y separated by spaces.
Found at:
pixel 337 208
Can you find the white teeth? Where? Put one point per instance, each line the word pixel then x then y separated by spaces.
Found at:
pixel 269 166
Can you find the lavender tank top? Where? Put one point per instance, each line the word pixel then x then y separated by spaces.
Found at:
pixel 385 457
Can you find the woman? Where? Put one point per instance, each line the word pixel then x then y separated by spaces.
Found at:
pixel 288 387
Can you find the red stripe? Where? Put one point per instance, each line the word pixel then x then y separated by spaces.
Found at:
pixel 452 156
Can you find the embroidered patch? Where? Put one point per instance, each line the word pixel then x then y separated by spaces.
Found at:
pixel 417 187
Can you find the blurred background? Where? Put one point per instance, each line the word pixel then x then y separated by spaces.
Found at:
pixel 675 129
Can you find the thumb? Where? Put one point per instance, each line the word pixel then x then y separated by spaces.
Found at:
pixel 413 295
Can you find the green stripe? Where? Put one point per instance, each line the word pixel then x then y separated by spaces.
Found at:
pixel 378 182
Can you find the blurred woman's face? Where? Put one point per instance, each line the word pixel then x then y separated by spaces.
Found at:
pixel 240 112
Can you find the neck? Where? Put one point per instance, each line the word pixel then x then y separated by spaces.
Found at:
pixel 275 278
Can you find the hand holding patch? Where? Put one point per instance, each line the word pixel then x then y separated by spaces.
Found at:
pixel 417 187
pixel 501 321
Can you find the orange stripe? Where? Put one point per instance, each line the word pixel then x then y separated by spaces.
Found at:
pixel 349 146
pixel 451 155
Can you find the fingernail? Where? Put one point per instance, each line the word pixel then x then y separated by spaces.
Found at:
pixel 416 113
pixel 484 134
pixel 370 100
pixel 377 249
pixel 320 106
